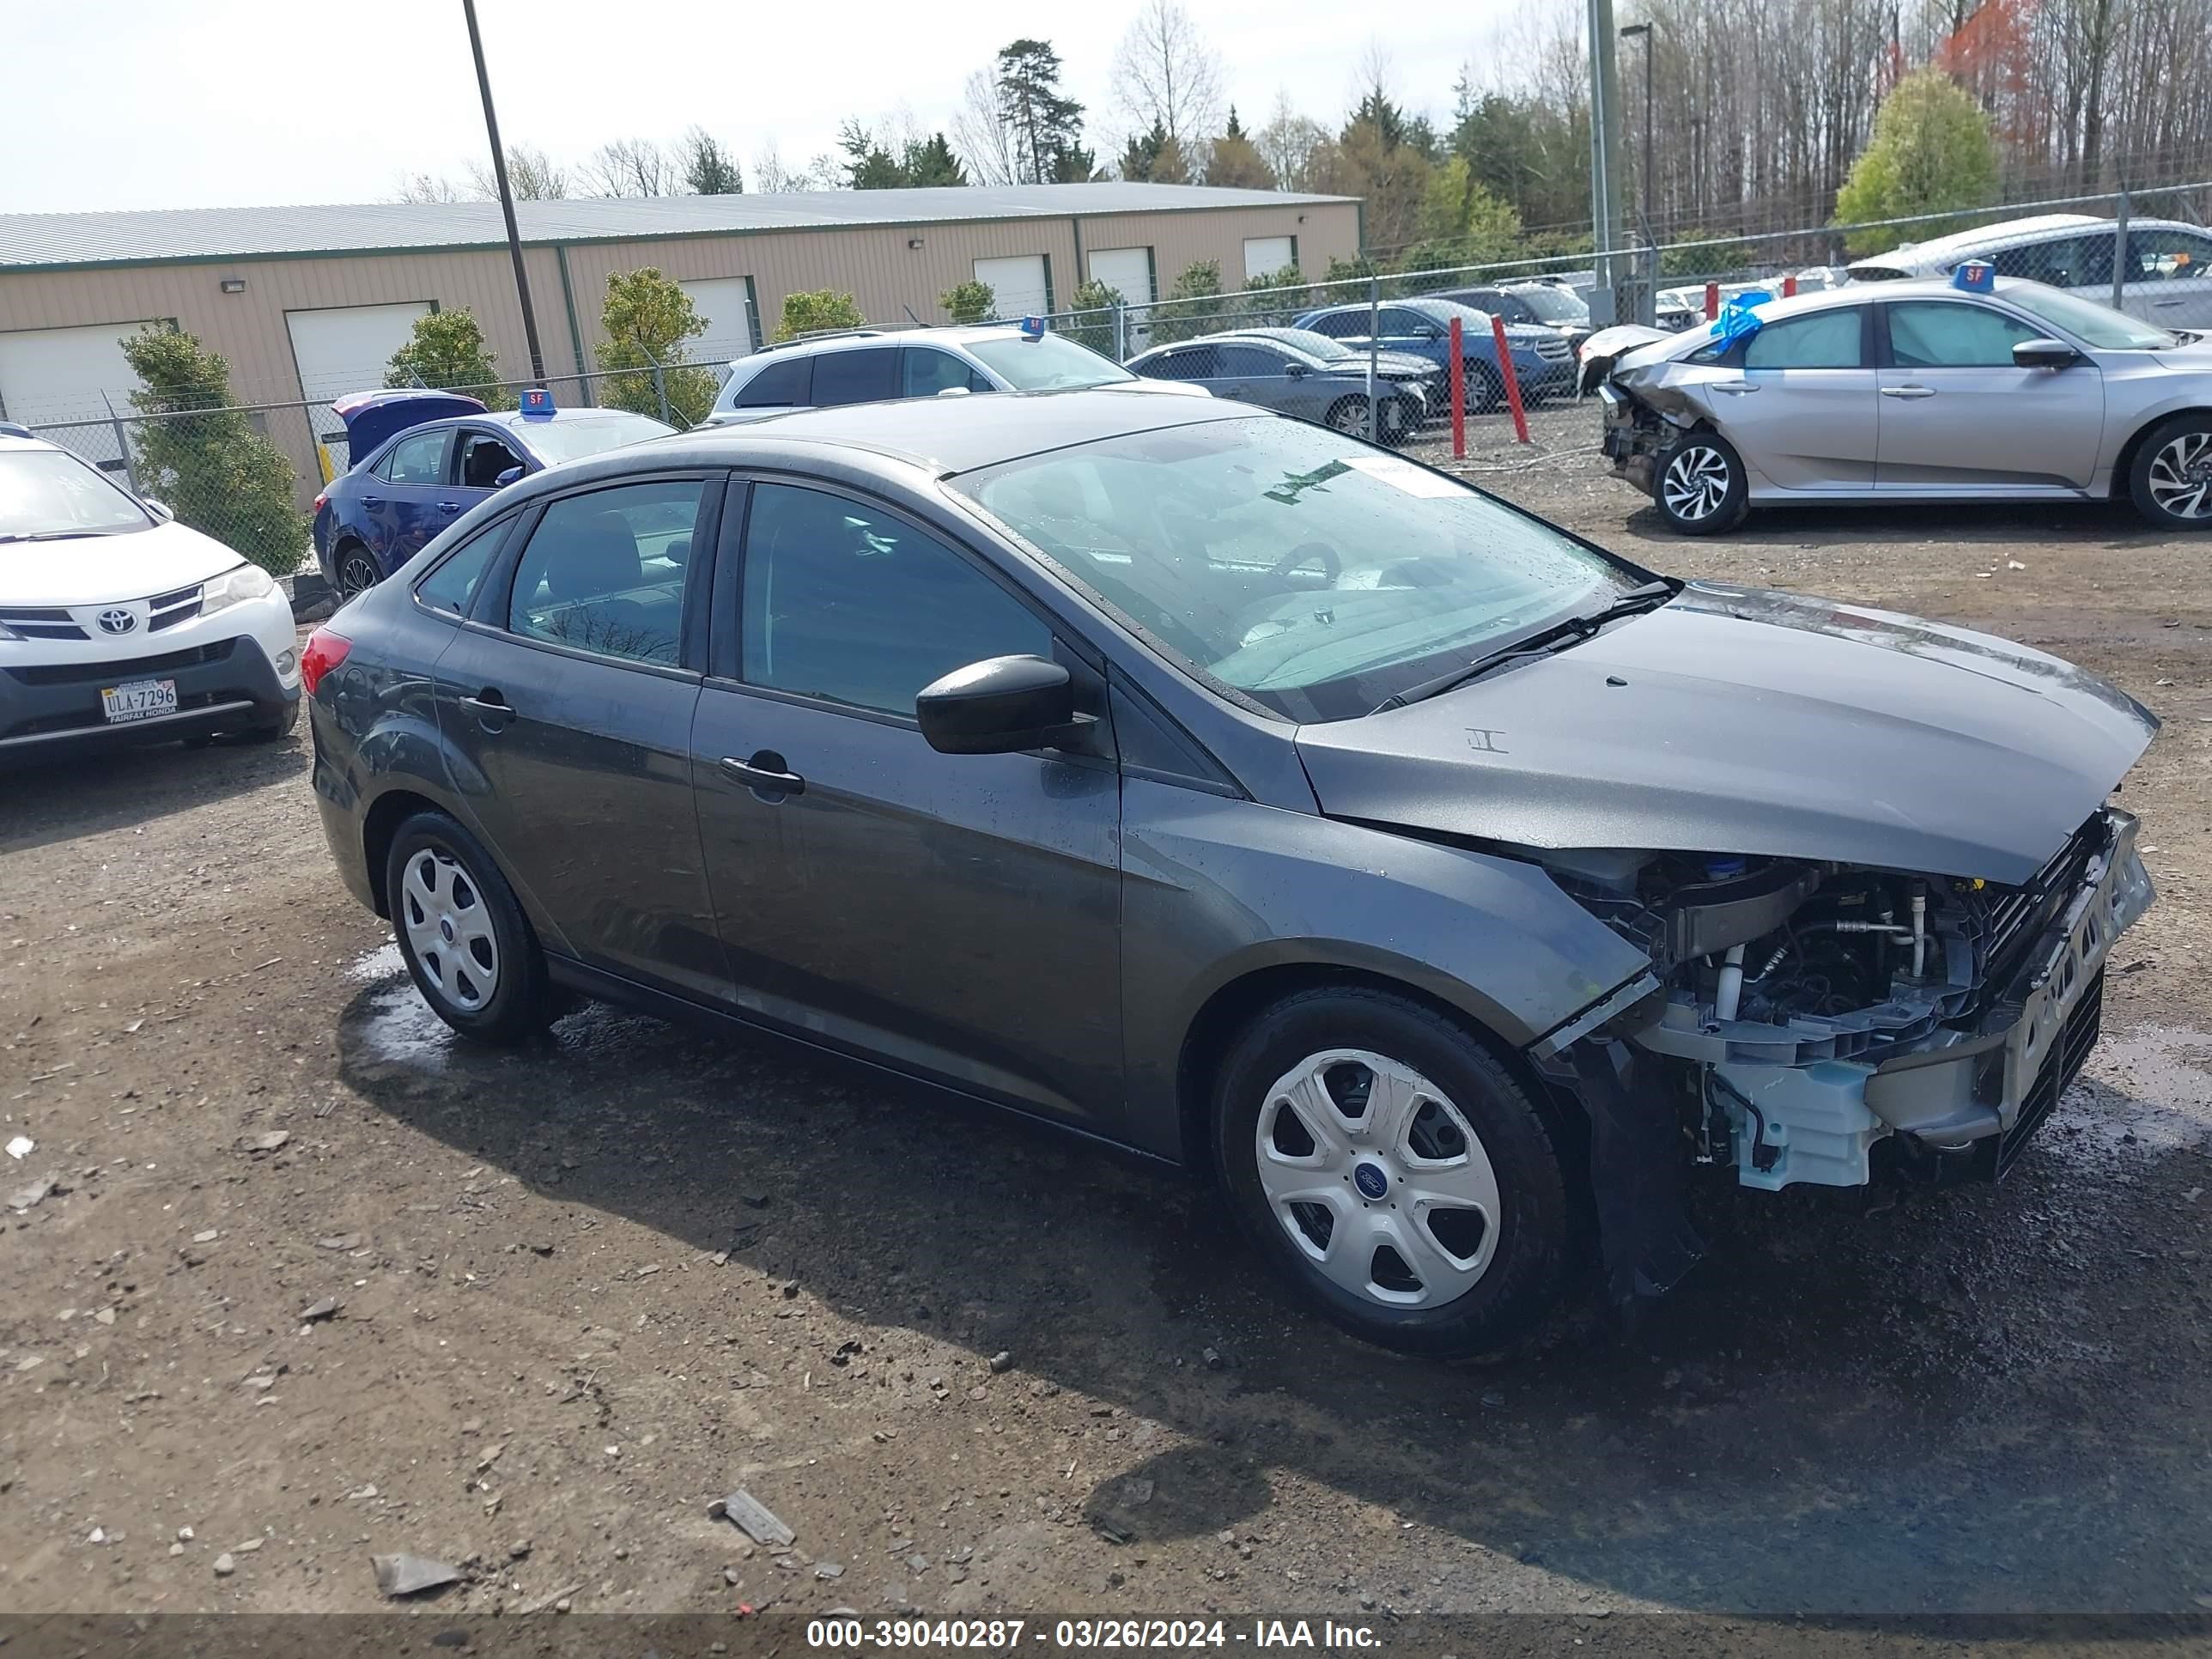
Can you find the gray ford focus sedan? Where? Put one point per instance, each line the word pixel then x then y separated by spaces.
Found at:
pixel 1443 889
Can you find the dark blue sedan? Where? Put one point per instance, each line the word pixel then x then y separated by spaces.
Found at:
pixel 428 457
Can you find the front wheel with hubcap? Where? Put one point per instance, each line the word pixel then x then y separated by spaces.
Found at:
pixel 2171 478
pixel 464 937
pixel 1700 489
pixel 1394 1168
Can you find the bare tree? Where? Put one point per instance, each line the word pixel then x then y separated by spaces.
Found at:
pixel 1166 73
pixel 630 167
pixel 428 187
pixel 530 175
pixel 1287 143
pixel 983 135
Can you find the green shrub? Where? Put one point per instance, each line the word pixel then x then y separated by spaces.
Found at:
pixel 812 311
pixel 969 302
pixel 647 318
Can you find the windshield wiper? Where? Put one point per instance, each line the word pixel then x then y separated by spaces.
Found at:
pixel 1570 631
pixel 52 536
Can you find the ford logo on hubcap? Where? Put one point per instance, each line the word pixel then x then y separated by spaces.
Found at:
pixel 116 621
pixel 1370 1180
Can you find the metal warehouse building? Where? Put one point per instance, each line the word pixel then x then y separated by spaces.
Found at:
pixel 309 302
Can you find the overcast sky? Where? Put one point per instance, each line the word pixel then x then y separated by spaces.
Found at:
pixel 211 103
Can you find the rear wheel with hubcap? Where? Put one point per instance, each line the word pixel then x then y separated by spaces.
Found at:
pixel 465 938
pixel 1701 489
pixel 357 571
pixel 2171 478
pixel 1393 1166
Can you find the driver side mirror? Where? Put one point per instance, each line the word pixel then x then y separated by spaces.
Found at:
pixel 1297 371
pixel 1000 706
pixel 510 477
pixel 161 510
pixel 2045 354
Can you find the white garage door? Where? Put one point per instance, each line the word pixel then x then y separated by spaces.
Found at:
pixel 347 348
pixel 1265 255
pixel 725 304
pixel 60 373
pixel 1127 271
pixel 1019 286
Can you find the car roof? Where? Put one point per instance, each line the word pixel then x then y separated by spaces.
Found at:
pixel 10 440
pixel 1950 249
pixel 855 339
pixel 959 435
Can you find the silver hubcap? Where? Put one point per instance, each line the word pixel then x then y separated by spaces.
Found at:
pixel 450 930
pixel 1378 1179
pixel 1696 481
pixel 1351 417
pixel 356 575
pixel 2181 475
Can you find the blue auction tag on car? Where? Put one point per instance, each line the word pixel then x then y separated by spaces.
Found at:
pixel 537 403
pixel 1033 328
pixel 1975 276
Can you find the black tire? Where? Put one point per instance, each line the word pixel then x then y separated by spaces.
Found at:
pixel 520 1002
pixel 277 728
pixel 2174 460
pixel 1485 388
pixel 354 570
pixel 1709 490
pixel 1536 1221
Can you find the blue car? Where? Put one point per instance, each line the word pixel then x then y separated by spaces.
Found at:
pixel 425 458
pixel 1542 360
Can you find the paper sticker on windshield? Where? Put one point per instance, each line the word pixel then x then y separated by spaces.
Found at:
pixel 1403 475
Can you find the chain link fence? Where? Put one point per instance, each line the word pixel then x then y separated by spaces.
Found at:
pixel 1366 350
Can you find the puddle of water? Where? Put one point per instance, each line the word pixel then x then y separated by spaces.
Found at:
pixel 397 1028
pixel 383 963
pixel 2150 1094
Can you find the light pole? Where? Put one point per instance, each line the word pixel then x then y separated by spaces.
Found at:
pixel 1630 30
pixel 506 199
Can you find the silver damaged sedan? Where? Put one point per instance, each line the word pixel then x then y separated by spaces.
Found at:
pixel 1912 392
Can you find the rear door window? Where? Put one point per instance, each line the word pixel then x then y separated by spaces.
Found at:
pixel 1827 339
pixel 854 377
pixel 780 386
pixel 420 459
pixel 605 571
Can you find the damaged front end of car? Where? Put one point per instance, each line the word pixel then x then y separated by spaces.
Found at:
pixel 1642 411
pixel 1826 1025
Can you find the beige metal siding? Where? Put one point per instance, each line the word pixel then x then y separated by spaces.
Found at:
pixel 1180 240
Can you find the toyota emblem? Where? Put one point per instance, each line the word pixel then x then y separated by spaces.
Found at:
pixel 116 620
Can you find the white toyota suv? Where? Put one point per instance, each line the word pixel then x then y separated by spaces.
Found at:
pixel 119 625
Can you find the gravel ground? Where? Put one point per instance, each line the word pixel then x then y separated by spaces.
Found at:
pixel 580 1292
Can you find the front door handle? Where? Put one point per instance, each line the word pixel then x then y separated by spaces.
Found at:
pixel 1908 392
pixel 765 773
pixel 1738 387
pixel 449 506
pixel 492 711
pixel 2164 305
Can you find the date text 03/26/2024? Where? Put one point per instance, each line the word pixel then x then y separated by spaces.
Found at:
pixel 1006 1635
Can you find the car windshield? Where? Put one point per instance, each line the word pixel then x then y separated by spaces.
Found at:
pixel 1553 304
pixel 1050 363
pixel 570 438
pixel 2086 320
pixel 1314 575
pixel 48 496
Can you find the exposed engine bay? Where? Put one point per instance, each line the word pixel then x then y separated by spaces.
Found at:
pixel 1815 1019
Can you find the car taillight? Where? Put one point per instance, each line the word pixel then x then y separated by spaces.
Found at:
pixel 322 501
pixel 324 652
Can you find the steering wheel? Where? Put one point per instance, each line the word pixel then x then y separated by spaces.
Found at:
pixel 1332 566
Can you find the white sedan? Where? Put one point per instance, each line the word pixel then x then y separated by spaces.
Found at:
pixel 119 625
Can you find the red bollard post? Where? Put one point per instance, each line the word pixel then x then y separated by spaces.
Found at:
pixel 1512 379
pixel 1458 393
pixel 1789 287
pixel 1712 301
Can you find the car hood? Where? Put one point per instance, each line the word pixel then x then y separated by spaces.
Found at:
pixel 1178 388
pixel 92 569
pixel 1769 724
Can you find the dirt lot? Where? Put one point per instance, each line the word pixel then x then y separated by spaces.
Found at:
pixel 582 1291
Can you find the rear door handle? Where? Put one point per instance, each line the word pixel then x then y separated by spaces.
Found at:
pixel 372 501
pixel 489 707
pixel 2165 304
pixel 449 506
pixel 1908 392
pixel 765 772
